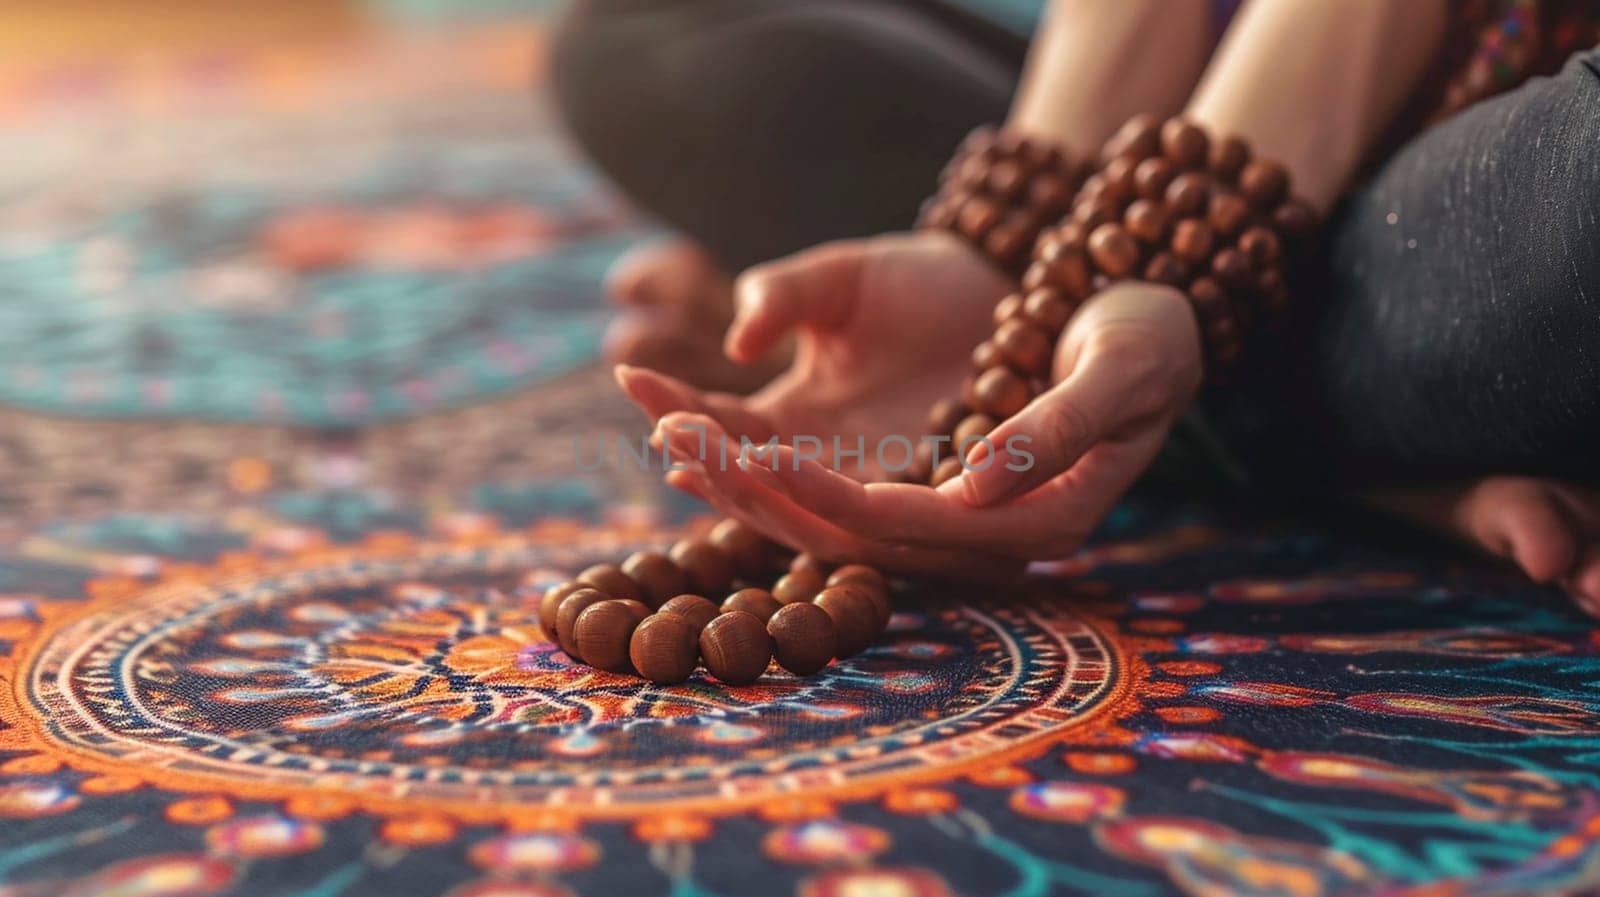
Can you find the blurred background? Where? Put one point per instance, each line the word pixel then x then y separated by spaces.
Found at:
pixel 247 247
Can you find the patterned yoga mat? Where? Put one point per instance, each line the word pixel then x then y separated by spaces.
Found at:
pixel 341 695
pixel 240 656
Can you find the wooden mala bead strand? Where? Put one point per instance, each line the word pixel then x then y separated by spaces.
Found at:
pixel 999 191
pixel 1170 204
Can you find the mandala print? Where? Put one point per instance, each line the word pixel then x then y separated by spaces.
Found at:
pixel 385 717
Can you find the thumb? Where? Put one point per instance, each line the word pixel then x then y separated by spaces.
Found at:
pixel 1047 437
pixel 816 287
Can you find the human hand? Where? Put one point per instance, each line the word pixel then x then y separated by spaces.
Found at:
pixel 1126 367
pixel 885 327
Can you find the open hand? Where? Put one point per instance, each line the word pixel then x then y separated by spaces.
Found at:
pixel 1125 369
pixel 885 327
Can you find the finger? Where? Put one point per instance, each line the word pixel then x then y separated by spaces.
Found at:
pixel 1047 522
pixel 1050 434
pixel 686 482
pixel 660 395
pixel 753 493
pixel 815 287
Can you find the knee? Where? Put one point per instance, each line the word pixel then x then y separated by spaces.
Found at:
pixel 600 56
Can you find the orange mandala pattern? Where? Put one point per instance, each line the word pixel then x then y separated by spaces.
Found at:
pixel 418 683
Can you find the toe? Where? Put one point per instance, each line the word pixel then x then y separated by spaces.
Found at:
pixel 1520 519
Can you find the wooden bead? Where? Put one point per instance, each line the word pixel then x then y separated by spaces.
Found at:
pixel 1114 250
pixel 1263 183
pixel 567 615
pixel 853 617
pixel 1116 179
pixel 796 586
pixel 972 426
pixel 944 415
pixel 694 609
pixel 938 215
pixel 1047 308
pixel 757 602
pixel 749 551
pixel 1209 297
pixel 1007 308
pixel 1036 275
pixel 803 638
pixel 1184 144
pixel 1227 213
pixel 665 648
pixel 1227 157
pixel 1261 246
pixel 1008 241
pixel 971 173
pixel 1024 347
pixel 1187 194
pixel 1152 176
pixel 1274 291
pixel 550 603
pixel 1051 194
pixel 977 215
pixel 949 468
pixel 859 574
pixel 610 579
pixel 736 648
pixel 876 587
pixel 1093 214
pixel 1072 235
pixel 969 390
pixel 1232 268
pixel 657 576
pixel 1294 219
pixel 604 630
pixel 1192 241
pixel 806 562
pixel 710 571
pixel 1001 393
pixel 1147 220
pixel 1164 268
pixel 1006 179
pixel 1068 271
pixel 985 355
pixel 1138 137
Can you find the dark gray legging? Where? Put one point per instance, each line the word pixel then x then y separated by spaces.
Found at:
pixel 1451 327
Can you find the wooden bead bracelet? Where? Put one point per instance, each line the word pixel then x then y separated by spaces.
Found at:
pixel 650 615
pixel 1000 191
pixel 1168 205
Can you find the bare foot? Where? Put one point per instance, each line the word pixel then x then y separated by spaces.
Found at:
pixel 675 304
pixel 1548 528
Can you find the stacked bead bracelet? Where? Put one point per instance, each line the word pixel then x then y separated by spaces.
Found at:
pixel 1168 205
pixel 1000 191
pixel 650 615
